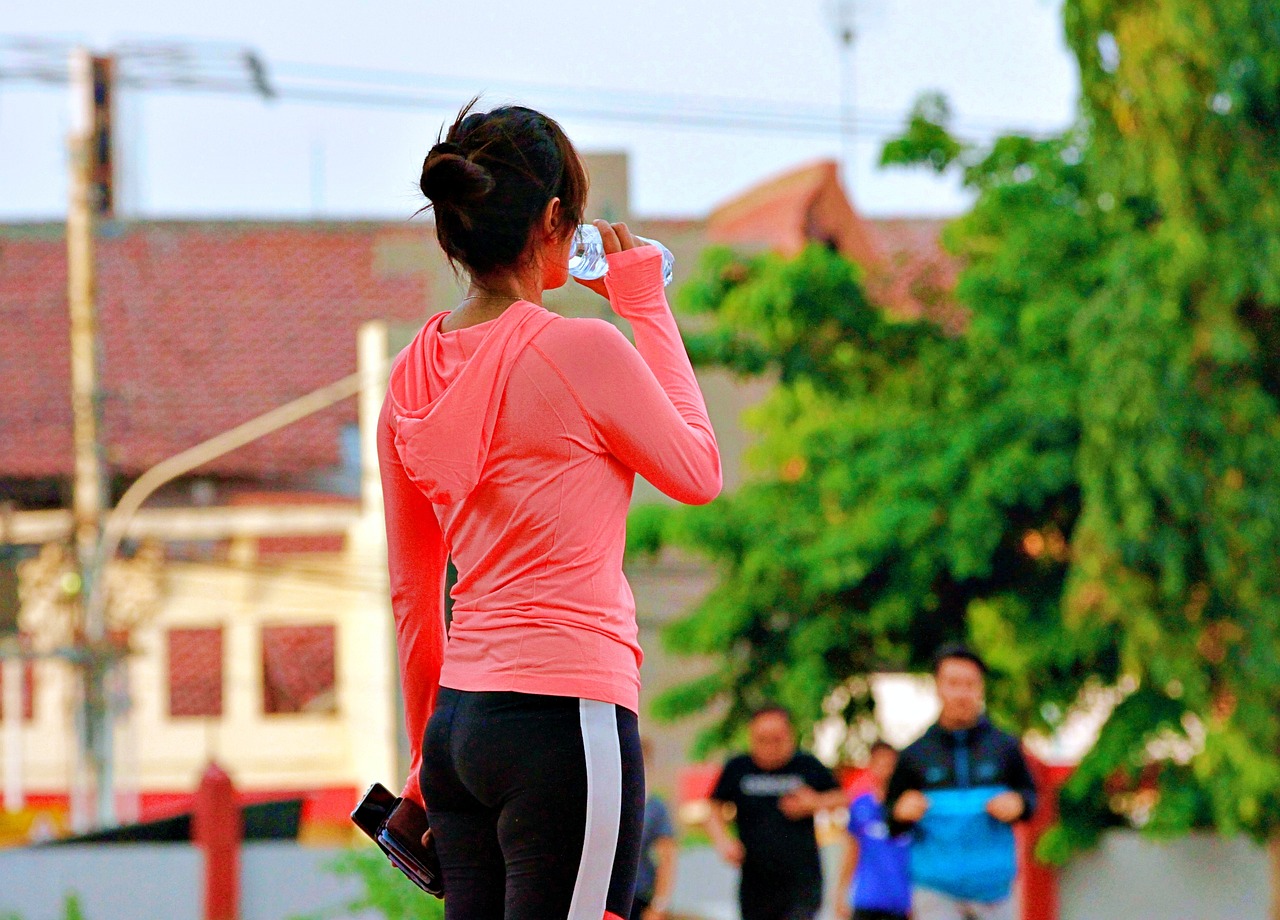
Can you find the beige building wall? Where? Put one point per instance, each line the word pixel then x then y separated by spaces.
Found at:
pixel 609 196
pixel 350 746
pixel 259 750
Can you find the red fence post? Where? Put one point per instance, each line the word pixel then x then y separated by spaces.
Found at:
pixel 217 829
pixel 1039 881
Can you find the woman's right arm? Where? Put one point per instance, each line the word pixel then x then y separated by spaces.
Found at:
pixel 416 560
pixel 643 400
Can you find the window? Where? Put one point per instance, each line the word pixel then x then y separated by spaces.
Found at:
pixel 195 672
pixel 299 672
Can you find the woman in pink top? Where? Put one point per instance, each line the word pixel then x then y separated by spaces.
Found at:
pixel 509 441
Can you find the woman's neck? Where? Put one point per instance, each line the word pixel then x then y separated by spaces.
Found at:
pixel 489 298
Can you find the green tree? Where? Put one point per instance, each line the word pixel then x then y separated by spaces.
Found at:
pixel 1179 356
pixel 1085 483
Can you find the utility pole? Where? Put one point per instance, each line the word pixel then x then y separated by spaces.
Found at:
pixel 90 101
pixel 11 668
pixel 92 197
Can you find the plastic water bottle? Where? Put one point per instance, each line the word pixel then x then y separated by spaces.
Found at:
pixel 587 260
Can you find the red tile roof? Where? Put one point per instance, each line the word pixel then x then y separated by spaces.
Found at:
pixel 907 270
pixel 917 277
pixel 788 211
pixel 205 325
pixel 202 326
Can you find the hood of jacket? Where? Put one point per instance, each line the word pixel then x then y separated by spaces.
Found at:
pixel 445 396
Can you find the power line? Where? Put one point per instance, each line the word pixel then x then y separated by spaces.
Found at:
pixel 346 85
pixel 223 69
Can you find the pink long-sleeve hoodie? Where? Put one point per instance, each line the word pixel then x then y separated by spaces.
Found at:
pixel 512 446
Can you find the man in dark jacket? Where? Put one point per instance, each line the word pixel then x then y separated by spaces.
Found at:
pixel 959 789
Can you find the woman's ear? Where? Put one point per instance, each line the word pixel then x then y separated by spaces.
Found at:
pixel 551 218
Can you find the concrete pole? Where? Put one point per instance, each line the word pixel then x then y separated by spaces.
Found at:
pixel 374 365
pixel 88 488
pixel 11 668
pixel 375 701
pixel 87 495
pixel 11 678
pixel 848 129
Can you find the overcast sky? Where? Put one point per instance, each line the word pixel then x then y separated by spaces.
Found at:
pixel 1001 63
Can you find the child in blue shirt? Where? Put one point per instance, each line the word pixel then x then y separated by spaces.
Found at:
pixel 875 875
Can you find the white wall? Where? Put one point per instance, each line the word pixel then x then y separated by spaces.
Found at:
pixel 1200 877
pixel 139 881
pixel 279 880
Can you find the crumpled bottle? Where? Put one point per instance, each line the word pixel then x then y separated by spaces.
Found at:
pixel 587 259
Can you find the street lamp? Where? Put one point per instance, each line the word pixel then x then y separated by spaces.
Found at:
pixel 842 15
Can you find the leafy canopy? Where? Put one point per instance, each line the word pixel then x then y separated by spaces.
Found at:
pixel 1084 484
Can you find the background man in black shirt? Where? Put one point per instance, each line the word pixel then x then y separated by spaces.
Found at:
pixel 776 790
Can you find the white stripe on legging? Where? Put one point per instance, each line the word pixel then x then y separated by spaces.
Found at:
pixel 604 809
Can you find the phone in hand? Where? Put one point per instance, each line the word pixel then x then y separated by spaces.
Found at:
pixel 397 826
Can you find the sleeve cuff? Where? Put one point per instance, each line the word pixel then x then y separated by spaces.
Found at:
pixel 635 277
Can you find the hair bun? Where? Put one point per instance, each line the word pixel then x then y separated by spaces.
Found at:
pixel 449 178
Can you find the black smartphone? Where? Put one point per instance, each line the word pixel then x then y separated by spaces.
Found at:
pixel 397 826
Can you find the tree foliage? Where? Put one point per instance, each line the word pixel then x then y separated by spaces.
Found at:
pixel 1085 484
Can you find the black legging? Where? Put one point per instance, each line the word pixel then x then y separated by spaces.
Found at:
pixel 536 803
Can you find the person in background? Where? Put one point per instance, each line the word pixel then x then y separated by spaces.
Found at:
pixel 960 788
pixel 875 872
pixel 776 790
pixel 657 874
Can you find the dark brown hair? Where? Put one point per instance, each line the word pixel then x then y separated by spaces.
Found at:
pixel 490 179
pixel 958 650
